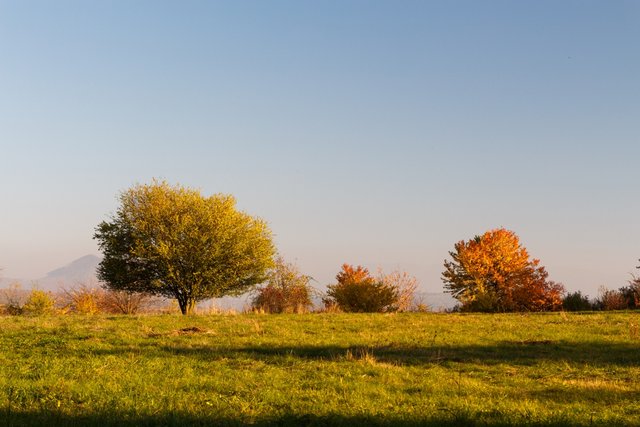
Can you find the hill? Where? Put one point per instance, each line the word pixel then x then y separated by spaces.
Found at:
pixel 82 270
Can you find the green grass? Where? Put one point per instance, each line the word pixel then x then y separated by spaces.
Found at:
pixel 321 369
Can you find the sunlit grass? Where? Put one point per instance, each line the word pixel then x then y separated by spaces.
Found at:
pixel 320 369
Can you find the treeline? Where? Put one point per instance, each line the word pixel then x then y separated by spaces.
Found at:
pixel 624 298
pixel 172 242
pixel 286 291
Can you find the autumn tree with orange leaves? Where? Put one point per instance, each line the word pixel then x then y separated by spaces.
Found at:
pixel 494 273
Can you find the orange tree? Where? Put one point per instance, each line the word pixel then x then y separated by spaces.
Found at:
pixel 493 272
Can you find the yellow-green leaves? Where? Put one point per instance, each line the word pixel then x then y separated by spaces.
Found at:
pixel 172 241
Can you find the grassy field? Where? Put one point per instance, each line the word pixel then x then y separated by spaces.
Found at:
pixel 321 369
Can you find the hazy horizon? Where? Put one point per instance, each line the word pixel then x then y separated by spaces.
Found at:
pixel 364 132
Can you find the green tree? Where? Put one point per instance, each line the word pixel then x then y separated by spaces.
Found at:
pixel 171 241
pixel 576 301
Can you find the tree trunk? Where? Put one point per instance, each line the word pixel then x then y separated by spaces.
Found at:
pixel 187 305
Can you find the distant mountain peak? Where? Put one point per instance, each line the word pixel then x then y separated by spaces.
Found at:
pixel 81 268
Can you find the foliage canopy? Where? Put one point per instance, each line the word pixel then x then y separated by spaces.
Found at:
pixel 493 272
pixel 171 241
pixel 357 291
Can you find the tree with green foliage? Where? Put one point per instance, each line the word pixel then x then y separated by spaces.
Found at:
pixel 171 241
pixel 576 301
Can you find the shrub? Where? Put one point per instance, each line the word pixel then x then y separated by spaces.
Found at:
pixel 39 303
pixel 123 302
pixel 405 286
pixel 575 301
pixel 287 290
pixel 631 293
pixel 485 302
pixel 610 299
pixel 82 299
pixel 15 299
pixel 357 291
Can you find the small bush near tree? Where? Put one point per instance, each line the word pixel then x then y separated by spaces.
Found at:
pixel 631 293
pixel 82 299
pixel 286 291
pixel 39 303
pixel 123 302
pixel 357 291
pixel 405 286
pixel 576 301
pixel 610 299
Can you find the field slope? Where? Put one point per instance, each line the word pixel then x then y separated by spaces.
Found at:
pixel 321 369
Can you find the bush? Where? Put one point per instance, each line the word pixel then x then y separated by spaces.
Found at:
pixel 82 299
pixel 405 286
pixel 485 302
pixel 287 291
pixel 357 291
pixel 610 299
pixel 15 299
pixel 39 303
pixel 631 293
pixel 122 302
pixel 575 301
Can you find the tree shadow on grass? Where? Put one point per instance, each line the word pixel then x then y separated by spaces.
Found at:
pixel 525 353
pixel 442 418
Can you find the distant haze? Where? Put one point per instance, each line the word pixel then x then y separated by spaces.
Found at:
pixel 365 132
pixel 82 271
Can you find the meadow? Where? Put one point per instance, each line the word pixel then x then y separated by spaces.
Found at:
pixel 321 369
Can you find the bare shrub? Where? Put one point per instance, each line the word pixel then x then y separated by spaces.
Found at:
pixel 123 302
pixel 420 306
pixel 15 298
pixel 610 299
pixel 405 286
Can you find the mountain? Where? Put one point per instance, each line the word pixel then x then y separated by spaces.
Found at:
pixel 82 270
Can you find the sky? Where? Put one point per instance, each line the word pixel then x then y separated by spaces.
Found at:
pixel 368 132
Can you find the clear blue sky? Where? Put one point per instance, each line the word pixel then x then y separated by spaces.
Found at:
pixel 374 133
